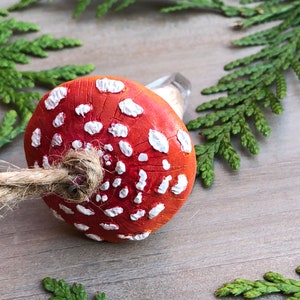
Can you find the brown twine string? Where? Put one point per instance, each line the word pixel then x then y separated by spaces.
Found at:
pixel 75 179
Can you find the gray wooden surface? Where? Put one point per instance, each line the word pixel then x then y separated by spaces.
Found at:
pixel 246 224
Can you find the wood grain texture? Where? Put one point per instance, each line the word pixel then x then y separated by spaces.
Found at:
pixel 246 224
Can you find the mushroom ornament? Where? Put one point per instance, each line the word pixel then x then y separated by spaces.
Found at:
pixel 143 147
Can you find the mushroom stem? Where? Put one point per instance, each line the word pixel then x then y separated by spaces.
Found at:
pixel 174 89
pixel 75 179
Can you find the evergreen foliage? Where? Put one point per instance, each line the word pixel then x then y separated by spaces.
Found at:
pixel 254 83
pixel 102 8
pixel 16 87
pixel 271 284
pixel 63 291
pixel 22 4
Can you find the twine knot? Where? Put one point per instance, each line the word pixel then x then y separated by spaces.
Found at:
pixel 74 179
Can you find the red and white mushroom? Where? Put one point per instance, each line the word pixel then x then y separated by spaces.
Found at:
pixel 145 150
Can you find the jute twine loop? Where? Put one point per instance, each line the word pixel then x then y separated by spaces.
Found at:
pixel 75 179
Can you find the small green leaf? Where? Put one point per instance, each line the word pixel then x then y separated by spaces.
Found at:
pixel 227 151
pixel 22 4
pixel 51 78
pixel 273 283
pixel 3 12
pixel 248 139
pixel 100 296
pixel 124 4
pixel 79 291
pixel 104 7
pixel 61 290
pixel 81 7
pixel 7 126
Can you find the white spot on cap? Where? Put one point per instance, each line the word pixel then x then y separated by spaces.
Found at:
pixel 118 130
pixel 81 227
pixel 66 209
pixel 117 182
pixel 59 120
pixel 109 226
pixel 104 198
pixel 120 167
pixel 45 163
pixel 57 215
pixel 143 157
pixel 138 199
pixel 185 141
pixel 137 215
pixel 94 237
pixel 123 193
pixel 82 109
pixel 166 165
pixel 55 96
pixel 92 127
pixel 181 184
pixel 130 108
pixel 107 157
pixel 125 148
pixel 108 147
pixel 104 186
pixel 84 211
pixel 56 140
pixel 109 85
pixel 100 153
pixel 36 138
pixel 137 237
pixel 142 181
pixel 77 144
pixel 158 141
pixel 156 210
pixel 113 212
pixel 88 146
pixel 164 185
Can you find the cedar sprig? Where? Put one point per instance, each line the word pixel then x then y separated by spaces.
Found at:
pixel 17 87
pixel 10 26
pixel 103 7
pixel 53 77
pixel 22 4
pixel 63 291
pixel 253 85
pixel 106 6
pixel 272 283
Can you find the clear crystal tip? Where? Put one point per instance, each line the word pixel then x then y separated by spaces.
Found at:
pixel 174 89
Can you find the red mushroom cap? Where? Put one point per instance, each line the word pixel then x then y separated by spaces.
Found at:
pixel 145 149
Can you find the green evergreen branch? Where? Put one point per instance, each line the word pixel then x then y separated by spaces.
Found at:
pixel 10 26
pixel 16 86
pixel 103 8
pixel 22 4
pixel 254 83
pixel 272 283
pixel 80 7
pixel 58 75
pixel 61 290
pixel 117 5
pixel 3 12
